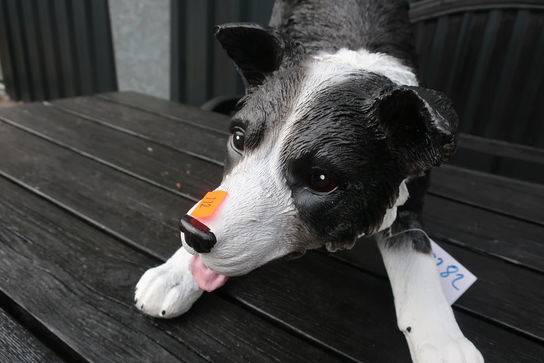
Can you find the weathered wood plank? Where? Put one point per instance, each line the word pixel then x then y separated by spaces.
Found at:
pixel 489 233
pixel 17 344
pixel 169 109
pixel 63 292
pixel 51 169
pixel 164 130
pixel 507 196
pixel 502 148
pixel 80 286
pixel 148 159
pixel 115 210
pixel 493 234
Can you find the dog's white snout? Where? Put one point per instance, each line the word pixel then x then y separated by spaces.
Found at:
pixel 246 224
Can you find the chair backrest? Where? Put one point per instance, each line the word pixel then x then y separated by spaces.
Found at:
pixel 488 56
pixel 200 69
pixel 56 48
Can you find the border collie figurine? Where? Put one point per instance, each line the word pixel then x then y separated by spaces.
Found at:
pixel 332 141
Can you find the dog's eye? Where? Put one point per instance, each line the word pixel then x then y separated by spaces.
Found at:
pixel 320 181
pixel 238 138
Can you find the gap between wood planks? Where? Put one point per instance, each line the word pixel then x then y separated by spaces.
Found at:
pixel 17 342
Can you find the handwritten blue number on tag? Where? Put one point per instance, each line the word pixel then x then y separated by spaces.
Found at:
pixel 451 269
pixel 439 259
pixel 459 277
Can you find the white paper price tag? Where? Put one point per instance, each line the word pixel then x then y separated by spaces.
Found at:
pixel 454 277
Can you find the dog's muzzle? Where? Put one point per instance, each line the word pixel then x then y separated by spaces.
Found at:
pixel 197 235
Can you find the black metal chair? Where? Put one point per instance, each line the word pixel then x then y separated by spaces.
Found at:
pixel 56 48
pixel 487 56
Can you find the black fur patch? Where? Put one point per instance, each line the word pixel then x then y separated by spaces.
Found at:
pixel 325 25
pixel 255 50
pixel 339 133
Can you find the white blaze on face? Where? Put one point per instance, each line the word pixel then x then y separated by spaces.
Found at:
pixel 379 63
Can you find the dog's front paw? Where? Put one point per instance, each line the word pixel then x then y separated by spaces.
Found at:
pixel 168 290
pixel 458 350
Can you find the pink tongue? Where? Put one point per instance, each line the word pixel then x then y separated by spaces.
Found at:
pixel 204 277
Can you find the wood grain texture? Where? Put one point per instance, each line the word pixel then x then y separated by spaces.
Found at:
pixel 144 158
pixel 122 215
pixel 82 289
pixel 168 109
pixel 166 130
pixel 87 311
pixel 17 344
pixel 172 110
pixel 84 185
pixel 509 239
pixel 502 148
pixel 506 196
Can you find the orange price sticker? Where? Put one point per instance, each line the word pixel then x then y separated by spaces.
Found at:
pixel 209 204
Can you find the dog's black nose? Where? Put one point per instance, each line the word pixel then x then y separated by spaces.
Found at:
pixel 197 234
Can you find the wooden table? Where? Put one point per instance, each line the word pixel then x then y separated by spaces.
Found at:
pixel 91 192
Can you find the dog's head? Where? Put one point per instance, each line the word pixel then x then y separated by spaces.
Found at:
pixel 320 150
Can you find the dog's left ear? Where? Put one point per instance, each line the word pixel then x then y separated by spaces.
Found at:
pixel 256 51
pixel 420 125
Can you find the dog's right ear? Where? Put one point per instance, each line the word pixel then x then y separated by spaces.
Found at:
pixel 420 124
pixel 256 51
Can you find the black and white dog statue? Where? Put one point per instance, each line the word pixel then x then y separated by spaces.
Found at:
pixel 332 141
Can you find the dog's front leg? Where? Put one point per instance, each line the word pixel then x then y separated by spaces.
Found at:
pixel 423 314
pixel 168 290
